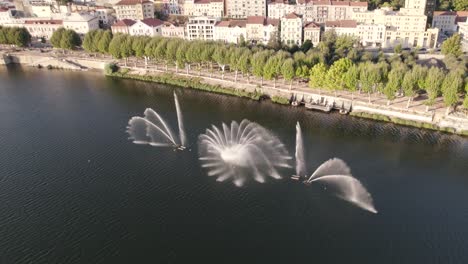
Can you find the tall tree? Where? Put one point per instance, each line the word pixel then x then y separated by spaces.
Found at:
pixel 450 87
pixel 114 46
pixel 452 46
pixel 410 86
pixel 318 75
pixel 434 79
pixel 351 79
pixel 70 40
pixel 56 37
pixel 104 41
pixel 334 79
pixel 259 60
pixel 288 71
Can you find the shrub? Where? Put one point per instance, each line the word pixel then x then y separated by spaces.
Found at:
pixel 111 68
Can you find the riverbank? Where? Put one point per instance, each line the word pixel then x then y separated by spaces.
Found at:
pixel 359 105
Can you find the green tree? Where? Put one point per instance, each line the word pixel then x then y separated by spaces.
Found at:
pixel 288 71
pixel 460 5
pixel 434 79
pixel 273 67
pixel 410 86
pixel 114 46
pixel 335 76
pixel 104 41
pixel 318 75
pixel 452 46
pixel 88 41
pixel 244 63
pixel 465 102
pixel 181 60
pixel 138 46
pixel 220 56
pixel 259 60
pixel 126 50
pixel 351 79
pixel 450 87
pixel 70 40
pixel 307 45
pixel 56 38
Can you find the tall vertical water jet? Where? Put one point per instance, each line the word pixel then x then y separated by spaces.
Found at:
pixel 241 151
pixel 300 159
pixel 180 120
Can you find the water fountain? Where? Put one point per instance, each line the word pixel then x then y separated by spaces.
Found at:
pixel 335 175
pixel 241 151
pixel 153 130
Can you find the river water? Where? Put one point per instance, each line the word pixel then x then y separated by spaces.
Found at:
pixel 74 189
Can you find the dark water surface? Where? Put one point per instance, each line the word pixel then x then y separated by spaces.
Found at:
pixel 73 189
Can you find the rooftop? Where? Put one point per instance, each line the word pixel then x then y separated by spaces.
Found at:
pixel 232 23
pixel 341 23
pixel 132 2
pixel 152 22
pixel 292 16
pixel 124 23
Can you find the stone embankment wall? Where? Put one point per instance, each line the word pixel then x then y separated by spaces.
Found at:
pixel 46 60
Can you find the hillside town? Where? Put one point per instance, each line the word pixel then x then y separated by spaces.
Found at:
pixel 416 24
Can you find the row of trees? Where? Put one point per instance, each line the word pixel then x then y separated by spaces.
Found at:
pixel 335 64
pixel 15 36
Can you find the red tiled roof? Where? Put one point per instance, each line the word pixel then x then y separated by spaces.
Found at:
pixel 312 25
pixel 341 23
pixel 132 2
pixel 444 13
pixel 358 4
pixel 152 22
pixel 292 16
pixel 231 23
pixel 124 23
pixel 255 20
pixel 272 21
pixel 44 22
pixel 336 3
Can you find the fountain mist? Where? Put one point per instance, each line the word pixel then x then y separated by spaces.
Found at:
pixel 241 151
pixel 336 175
pixel 153 130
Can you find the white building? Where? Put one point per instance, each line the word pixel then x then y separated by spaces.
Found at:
pixel 291 29
pixel 134 9
pixel 200 28
pixel 245 8
pixel 230 31
pixel 260 29
pixel 170 30
pixel 463 29
pixel 210 8
pixel 42 28
pixel 317 11
pixel 147 27
pixel 312 32
pixel 342 27
pixel 81 23
pixel 371 34
pixel 122 26
pixel 447 21
pixel 7 16
pixel 105 16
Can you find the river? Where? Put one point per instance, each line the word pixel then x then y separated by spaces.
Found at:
pixel 74 189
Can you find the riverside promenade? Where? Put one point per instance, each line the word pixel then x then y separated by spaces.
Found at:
pixel 415 112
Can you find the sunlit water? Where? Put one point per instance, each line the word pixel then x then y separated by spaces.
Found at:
pixel 74 189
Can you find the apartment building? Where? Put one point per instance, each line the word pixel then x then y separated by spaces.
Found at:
pixel 312 32
pixel 122 26
pixel 134 9
pixel 260 29
pixel 291 29
pixel 447 21
pixel 245 8
pixel 172 30
pixel 147 27
pixel 209 8
pixel 81 23
pixel 463 30
pixel 201 28
pixel 231 31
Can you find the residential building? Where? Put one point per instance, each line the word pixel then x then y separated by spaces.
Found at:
pixel 200 28
pixel 463 29
pixel 245 8
pixel 312 32
pixel 171 30
pixel 134 9
pixel 7 16
pixel 42 28
pixel 291 29
pixel 231 31
pixel 447 21
pixel 209 8
pixel 146 27
pixel 105 16
pixel 260 29
pixel 317 11
pixel 81 23
pixel 122 26
pixel 371 34
pixel 342 27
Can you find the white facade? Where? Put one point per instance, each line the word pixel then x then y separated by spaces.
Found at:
pixel 134 9
pixel 170 30
pixel 371 34
pixel 80 23
pixel 200 28
pixel 210 8
pixel 245 8
pixel 317 11
pixel 447 21
pixel 230 31
pixel 463 30
pixel 104 16
pixel 291 29
pixel 42 28
pixel 312 32
pixel 260 29
pixel 148 27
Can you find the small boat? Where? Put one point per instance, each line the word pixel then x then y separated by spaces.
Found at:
pixel 343 111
